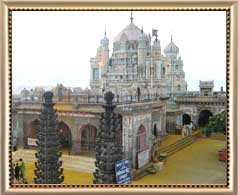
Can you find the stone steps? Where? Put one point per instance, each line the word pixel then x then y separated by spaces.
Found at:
pixel 76 163
pixel 177 146
pixel 176 143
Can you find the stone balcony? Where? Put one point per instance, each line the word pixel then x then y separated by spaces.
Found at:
pixel 206 84
pixel 201 99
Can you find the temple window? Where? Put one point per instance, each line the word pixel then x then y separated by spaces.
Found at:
pixel 95 73
pixel 179 88
pixel 163 72
pixel 141 139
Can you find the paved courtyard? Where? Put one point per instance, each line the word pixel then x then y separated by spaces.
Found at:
pixel 196 164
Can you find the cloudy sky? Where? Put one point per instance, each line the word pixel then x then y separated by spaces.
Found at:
pixel 56 47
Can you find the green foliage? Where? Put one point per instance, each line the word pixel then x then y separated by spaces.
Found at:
pixel 216 123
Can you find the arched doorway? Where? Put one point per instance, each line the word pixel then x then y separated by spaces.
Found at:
pixel 138 93
pixel 186 119
pixel 179 87
pixel 204 117
pixel 163 72
pixel 62 129
pixel 33 129
pixel 32 133
pixel 141 139
pixel 88 136
pixel 64 134
pixel 155 130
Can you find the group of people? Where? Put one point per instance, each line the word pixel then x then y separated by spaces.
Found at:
pixel 19 171
pixel 187 129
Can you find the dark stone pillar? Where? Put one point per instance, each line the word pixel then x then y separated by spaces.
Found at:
pixel 107 150
pixel 48 167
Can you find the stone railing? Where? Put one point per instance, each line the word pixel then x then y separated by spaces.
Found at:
pixel 88 99
pixel 201 99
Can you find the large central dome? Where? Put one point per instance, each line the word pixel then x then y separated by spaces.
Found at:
pixel 129 33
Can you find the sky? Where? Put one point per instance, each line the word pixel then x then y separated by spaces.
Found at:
pixel 51 47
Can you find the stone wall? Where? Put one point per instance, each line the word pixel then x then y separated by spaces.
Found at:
pixel 131 124
pixel 75 117
pixel 174 120
pixel 194 110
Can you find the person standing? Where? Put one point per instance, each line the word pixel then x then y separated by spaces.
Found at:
pixel 184 131
pixel 17 170
pixel 22 169
pixel 190 128
pixel 12 171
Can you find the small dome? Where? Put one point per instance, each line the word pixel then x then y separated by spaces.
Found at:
pixel 171 48
pixel 156 44
pixel 143 36
pixel 105 40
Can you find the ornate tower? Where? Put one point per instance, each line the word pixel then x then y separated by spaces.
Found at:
pixel 104 61
pixel 48 167
pixel 171 51
pixel 142 52
pixel 107 150
pixel 176 75
pixel 156 48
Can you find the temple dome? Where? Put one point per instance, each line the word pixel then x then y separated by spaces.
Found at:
pixel 105 40
pixel 132 32
pixel 156 44
pixel 171 48
pixel 143 36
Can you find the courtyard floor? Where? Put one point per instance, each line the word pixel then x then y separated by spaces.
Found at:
pixel 196 164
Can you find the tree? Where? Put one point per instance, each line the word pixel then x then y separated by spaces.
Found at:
pixel 216 123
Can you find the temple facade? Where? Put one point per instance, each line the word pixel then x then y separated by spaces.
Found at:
pixel 137 65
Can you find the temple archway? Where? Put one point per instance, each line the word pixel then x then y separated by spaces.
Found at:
pixel 64 134
pixel 88 137
pixel 155 130
pixel 186 119
pixel 204 117
pixel 33 129
pixel 141 139
pixel 32 133
pixel 163 72
pixel 179 87
pixel 138 93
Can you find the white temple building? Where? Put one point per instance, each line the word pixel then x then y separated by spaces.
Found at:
pixel 137 66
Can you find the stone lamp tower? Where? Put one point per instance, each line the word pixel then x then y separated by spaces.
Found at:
pixel 107 150
pixel 48 166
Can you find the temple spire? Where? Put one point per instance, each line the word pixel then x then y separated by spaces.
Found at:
pixel 131 17
pixel 105 32
pixel 171 38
